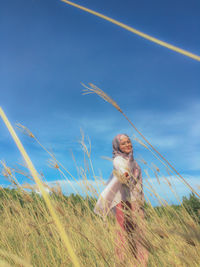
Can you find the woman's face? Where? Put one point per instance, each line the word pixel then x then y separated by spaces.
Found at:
pixel 125 145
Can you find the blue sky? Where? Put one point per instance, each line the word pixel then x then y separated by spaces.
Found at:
pixel 48 48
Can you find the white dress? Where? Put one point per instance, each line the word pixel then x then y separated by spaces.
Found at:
pixel 117 191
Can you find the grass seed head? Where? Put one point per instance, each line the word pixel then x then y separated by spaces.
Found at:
pixel 25 130
pixel 53 164
pixel 6 170
pixel 93 89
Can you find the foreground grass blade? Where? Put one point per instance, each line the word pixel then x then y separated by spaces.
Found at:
pixel 141 34
pixel 33 172
pixel 15 258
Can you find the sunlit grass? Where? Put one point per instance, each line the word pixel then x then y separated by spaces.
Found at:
pixel 30 237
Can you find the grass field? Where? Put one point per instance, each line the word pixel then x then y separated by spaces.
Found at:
pixel 54 230
pixel 29 237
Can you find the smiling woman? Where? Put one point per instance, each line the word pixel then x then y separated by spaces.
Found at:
pixel 124 195
pixel 125 145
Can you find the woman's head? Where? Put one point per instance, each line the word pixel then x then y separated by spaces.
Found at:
pixel 122 146
pixel 125 144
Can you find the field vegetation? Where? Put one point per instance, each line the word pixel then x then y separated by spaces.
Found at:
pixel 52 229
pixel 29 237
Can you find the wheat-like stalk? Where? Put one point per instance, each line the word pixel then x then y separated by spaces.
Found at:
pixel 95 90
pixel 41 188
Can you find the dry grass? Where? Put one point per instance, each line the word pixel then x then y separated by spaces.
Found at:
pixel 30 237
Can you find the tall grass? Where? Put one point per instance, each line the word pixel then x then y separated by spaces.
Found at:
pixel 29 235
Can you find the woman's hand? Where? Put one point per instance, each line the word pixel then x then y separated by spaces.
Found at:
pixel 126 175
pixel 122 176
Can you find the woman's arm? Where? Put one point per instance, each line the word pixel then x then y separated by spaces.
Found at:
pixel 121 169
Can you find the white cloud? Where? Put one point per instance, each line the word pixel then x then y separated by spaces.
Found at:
pixel 94 188
pixel 82 187
pixel 176 191
pixel 177 133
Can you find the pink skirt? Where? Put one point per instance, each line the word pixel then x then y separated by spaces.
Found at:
pixel 127 234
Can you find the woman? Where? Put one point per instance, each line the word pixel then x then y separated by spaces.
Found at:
pixel 124 194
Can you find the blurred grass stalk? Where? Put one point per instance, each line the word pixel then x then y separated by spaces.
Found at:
pixel 135 31
pixel 32 170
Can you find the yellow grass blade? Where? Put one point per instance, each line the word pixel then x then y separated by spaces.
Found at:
pixel 141 34
pixel 15 258
pixel 41 188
